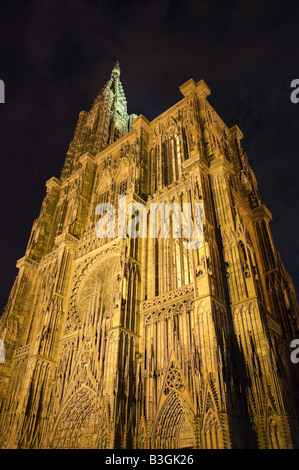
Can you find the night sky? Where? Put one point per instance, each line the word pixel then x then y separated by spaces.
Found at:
pixel 55 56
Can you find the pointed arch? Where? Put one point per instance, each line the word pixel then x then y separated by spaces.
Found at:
pixel 102 193
pixel 171 154
pixel 142 436
pixel 104 433
pixel 122 175
pixel 170 128
pixel 275 438
pixel 74 427
pixel 211 434
pixel 103 181
pixel 174 427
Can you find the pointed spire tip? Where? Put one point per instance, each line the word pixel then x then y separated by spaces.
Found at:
pixel 116 68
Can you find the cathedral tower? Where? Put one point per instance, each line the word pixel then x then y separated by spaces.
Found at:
pixel 121 341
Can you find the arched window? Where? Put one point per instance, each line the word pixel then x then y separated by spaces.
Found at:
pixel 212 434
pixel 185 144
pixel 171 158
pixel 123 186
pixel 154 167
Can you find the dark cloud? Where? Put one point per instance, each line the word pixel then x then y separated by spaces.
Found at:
pixel 55 56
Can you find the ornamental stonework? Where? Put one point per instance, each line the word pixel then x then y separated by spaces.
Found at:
pixel 141 342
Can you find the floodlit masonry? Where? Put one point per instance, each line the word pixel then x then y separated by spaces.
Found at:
pixel 142 342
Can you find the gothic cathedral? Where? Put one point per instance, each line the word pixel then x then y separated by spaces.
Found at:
pixel 139 342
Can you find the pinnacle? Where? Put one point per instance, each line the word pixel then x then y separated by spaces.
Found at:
pixel 116 68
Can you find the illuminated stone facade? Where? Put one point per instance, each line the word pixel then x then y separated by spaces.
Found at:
pixel 142 343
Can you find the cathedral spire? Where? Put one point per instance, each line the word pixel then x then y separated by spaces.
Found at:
pixel 115 85
pixel 107 121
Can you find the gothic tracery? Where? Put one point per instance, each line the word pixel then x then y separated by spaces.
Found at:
pixel 122 342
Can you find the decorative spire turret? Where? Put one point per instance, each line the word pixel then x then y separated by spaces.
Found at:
pixel 106 122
